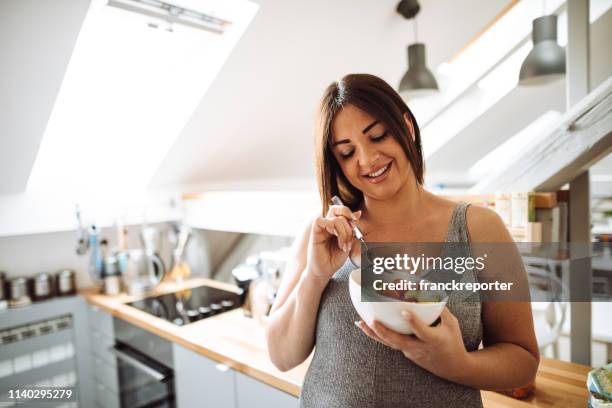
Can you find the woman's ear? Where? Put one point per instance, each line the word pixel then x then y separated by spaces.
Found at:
pixel 410 126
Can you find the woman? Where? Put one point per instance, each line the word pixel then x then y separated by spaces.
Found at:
pixel 368 152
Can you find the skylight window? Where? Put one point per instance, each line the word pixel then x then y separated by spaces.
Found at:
pixel 132 84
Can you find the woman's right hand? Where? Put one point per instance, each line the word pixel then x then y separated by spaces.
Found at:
pixel 331 240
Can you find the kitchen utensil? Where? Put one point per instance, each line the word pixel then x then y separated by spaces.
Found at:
pixel 141 272
pixel 66 282
pixel 19 292
pixel 180 269
pixel 389 312
pixel 82 237
pixel 356 231
pixel 43 287
pixel 96 260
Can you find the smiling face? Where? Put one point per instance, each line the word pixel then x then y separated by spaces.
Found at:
pixel 369 156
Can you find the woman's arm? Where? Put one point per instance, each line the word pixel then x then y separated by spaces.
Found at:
pixel 317 253
pixel 290 328
pixel 510 356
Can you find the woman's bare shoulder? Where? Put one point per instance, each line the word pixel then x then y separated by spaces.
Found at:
pixel 439 204
pixel 485 225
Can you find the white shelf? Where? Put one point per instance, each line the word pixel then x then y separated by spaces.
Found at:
pixel 280 213
pixel 601 229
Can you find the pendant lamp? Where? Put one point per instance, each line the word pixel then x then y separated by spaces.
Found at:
pixel 418 80
pixel 546 61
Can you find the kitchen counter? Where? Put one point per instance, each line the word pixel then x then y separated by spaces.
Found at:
pixel 239 342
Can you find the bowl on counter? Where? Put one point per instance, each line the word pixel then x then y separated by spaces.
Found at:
pixel 389 312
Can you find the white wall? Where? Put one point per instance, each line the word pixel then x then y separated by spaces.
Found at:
pixel 26 255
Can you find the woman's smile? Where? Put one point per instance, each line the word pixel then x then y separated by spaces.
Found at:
pixel 379 174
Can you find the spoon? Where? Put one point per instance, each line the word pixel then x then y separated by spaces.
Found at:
pixel 356 231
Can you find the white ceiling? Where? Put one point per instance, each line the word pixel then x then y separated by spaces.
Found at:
pixel 256 120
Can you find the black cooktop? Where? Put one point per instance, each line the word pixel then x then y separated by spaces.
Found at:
pixel 189 305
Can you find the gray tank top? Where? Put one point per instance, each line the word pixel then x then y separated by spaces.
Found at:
pixel 349 369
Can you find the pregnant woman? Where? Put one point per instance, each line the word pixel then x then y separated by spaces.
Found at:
pixel 368 152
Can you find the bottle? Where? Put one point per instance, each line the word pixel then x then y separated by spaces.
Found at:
pixel 523 209
pixel 503 207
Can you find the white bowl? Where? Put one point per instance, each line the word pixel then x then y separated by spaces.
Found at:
pixel 390 313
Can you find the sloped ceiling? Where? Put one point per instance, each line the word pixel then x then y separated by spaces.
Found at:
pixel 36 41
pixel 255 122
pixel 256 119
pixel 512 113
pixel 508 116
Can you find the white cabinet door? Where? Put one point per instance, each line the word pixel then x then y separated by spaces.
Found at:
pixel 104 365
pixel 201 382
pixel 255 394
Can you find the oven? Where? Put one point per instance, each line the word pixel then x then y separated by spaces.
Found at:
pixel 144 367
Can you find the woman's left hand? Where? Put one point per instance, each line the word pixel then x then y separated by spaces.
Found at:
pixel 438 349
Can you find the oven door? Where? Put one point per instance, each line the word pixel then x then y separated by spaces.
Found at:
pixel 143 382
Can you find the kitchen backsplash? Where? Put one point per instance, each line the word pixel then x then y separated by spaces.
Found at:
pixel 210 252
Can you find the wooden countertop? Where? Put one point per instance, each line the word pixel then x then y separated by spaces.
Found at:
pixel 239 342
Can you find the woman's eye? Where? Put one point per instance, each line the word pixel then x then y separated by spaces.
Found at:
pixel 380 138
pixel 346 155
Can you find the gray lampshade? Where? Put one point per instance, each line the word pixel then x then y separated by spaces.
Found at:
pixel 546 61
pixel 418 80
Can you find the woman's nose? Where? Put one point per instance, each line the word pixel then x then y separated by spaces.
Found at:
pixel 368 157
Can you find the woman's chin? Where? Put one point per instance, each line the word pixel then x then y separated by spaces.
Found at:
pixel 381 191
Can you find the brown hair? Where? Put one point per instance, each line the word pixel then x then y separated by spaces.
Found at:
pixel 374 96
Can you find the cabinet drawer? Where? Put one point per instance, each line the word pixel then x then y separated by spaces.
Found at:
pixel 106 398
pixel 201 382
pixel 251 393
pixel 105 374
pixel 101 321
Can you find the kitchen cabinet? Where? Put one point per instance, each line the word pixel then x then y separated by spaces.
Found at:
pixel 106 392
pixel 251 393
pixel 47 344
pixel 201 382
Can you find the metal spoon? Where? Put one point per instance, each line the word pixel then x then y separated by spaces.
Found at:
pixel 356 231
